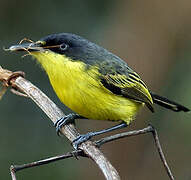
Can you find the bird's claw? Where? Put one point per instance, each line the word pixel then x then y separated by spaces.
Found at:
pixel 81 138
pixel 68 119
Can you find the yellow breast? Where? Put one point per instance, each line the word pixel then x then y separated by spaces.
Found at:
pixel 79 89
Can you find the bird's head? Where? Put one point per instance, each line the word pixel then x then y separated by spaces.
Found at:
pixel 63 45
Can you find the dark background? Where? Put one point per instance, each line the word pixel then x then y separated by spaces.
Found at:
pixel 153 36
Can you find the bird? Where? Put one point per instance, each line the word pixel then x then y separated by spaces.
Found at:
pixel 93 82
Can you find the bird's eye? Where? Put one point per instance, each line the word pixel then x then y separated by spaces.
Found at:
pixel 63 47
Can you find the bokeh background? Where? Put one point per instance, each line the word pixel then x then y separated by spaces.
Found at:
pixel 153 36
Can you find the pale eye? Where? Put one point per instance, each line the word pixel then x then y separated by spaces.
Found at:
pixel 63 47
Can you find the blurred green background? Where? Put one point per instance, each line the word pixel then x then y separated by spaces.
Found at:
pixel 153 36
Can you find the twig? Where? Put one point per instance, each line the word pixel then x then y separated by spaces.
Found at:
pixel 54 113
pixel 18 93
pixel 15 168
pixel 138 132
pixel 3 91
pixel 99 143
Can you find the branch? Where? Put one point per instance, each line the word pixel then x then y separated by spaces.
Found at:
pixel 15 168
pixel 54 113
pixel 99 143
pixel 135 133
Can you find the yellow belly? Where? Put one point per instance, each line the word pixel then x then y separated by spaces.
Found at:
pixel 80 90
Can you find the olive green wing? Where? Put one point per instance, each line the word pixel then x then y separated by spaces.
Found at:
pixel 128 85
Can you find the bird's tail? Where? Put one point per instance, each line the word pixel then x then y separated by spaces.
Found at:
pixel 164 102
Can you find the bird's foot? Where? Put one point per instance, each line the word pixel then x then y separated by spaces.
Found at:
pixel 68 119
pixel 82 138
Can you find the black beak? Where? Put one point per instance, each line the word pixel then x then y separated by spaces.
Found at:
pixel 26 47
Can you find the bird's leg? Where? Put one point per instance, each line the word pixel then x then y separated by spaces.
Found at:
pixel 84 137
pixel 68 119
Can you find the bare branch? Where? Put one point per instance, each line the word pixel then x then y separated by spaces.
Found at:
pixel 15 168
pixel 138 132
pixel 88 148
pixel 54 113
pixel 99 143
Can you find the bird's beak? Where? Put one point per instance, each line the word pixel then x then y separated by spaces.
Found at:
pixel 30 47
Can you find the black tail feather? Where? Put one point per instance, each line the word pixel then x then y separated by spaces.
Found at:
pixel 164 102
